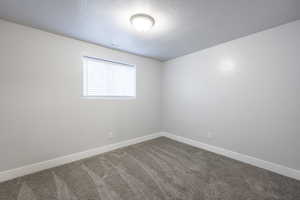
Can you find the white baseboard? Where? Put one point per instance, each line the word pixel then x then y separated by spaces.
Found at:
pixel 279 169
pixel 29 169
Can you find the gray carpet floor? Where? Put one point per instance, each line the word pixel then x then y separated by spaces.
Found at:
pixel 159 169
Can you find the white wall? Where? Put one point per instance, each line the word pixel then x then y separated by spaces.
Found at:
pixel 41 113
pixel 253 109
pixel 250 104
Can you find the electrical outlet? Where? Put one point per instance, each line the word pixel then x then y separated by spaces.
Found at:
pixel 209 135
pixel 110 135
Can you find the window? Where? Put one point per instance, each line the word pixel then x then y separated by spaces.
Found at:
pixel 102 78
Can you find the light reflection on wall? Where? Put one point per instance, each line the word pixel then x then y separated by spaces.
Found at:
pixel 227 65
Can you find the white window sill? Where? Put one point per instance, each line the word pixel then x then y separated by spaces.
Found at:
pixel 108 97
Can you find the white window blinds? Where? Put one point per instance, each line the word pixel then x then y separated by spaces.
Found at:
pixel 103 78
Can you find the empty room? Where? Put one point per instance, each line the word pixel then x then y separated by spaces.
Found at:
pixel 149 100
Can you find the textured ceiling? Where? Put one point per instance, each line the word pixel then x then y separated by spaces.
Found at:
pixel 182 26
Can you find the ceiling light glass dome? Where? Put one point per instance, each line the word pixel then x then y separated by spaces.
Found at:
pixel 142 22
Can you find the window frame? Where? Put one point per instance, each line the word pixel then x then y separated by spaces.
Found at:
pixel 83 57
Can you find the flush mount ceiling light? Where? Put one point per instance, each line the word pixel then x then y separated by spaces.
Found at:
pixel 142 22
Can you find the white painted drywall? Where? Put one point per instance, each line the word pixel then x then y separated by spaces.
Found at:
pixel 243 95
pixel 41 113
